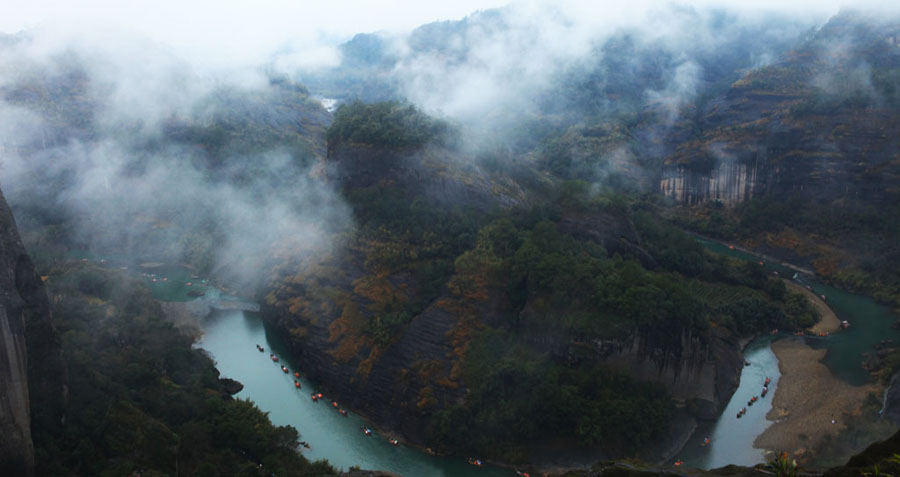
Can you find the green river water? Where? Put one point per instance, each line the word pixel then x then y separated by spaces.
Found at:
pixel 231 338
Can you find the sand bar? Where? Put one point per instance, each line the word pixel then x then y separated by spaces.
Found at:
pixel 809 402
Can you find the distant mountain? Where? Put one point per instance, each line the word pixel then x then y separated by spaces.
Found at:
pixel 818 123
pixel 804 155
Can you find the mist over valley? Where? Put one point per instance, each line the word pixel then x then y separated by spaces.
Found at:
pixel 509 239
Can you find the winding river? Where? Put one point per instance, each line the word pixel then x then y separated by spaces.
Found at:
pixel 230 338
pixel 731 440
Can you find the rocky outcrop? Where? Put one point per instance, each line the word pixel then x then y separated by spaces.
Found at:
pixel 891 409
pixel 26 333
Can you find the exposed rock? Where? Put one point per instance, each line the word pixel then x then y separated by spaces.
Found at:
pixel 32 377
pixel 729 183
pixel 891 410
pixel 232 386
pixel 704 376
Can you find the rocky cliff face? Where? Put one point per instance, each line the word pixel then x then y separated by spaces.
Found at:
pixel 704 376
pixel 24 314
pixel 729 184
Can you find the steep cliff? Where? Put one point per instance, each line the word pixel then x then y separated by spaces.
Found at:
pixel 705 376
pixel 28 343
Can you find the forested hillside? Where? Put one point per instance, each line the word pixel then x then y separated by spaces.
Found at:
pixel 486 326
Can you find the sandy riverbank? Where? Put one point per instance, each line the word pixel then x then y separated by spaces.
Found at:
pixel 809 402
pixel 828 321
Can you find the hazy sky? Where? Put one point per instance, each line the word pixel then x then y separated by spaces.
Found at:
pixel 230 33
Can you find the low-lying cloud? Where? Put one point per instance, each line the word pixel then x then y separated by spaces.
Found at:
pixel 93 137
